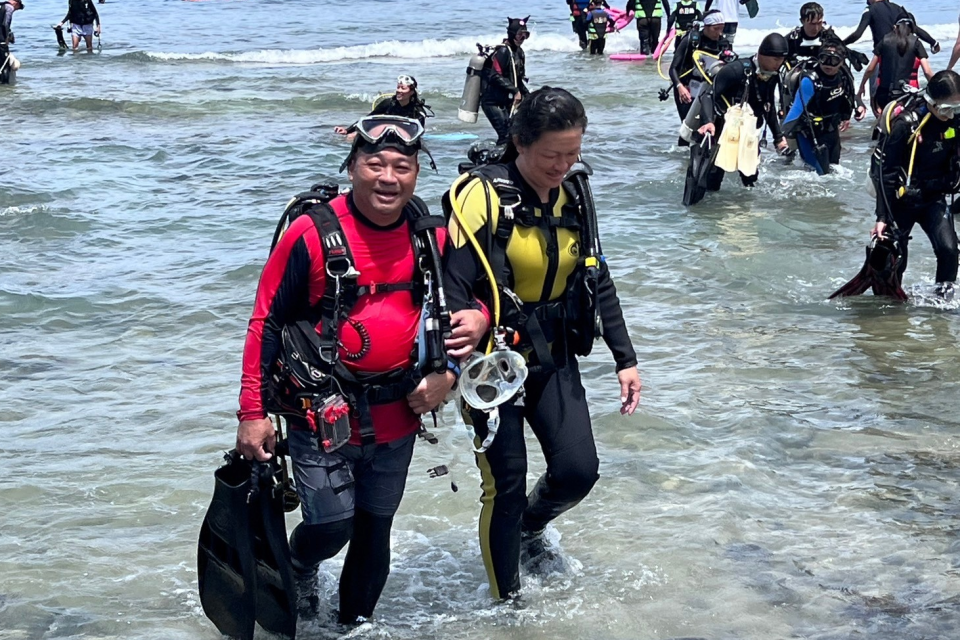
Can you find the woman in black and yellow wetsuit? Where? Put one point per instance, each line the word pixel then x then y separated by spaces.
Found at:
pixel 529 224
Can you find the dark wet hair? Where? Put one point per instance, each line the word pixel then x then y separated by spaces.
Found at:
pixel 834 43
pixel 545 110
pixel 903 30
pixel 944 84
pixel 811 10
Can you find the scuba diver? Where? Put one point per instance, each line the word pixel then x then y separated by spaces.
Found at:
pixel 686 70
pixel 805 41
pixel 881 16
pixel 823 103
pixel 529 223
pixel 406 103
pixel 85 22
pixel 8 63
pixel 7 10
pixel 347 284
pixel 578 20
pixel 683 17
pixel 504 78
pixel 899 55
pixel 915 165
pixel 649 15
pixel 746 81
pixel 598 20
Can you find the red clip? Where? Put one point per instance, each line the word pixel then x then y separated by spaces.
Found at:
pixel 312 421
pixel 334 412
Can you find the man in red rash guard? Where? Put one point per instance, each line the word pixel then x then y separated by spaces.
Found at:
pixel 351 494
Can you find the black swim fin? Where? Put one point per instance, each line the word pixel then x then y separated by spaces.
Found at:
pixel 60 41
pixel 880 272
pixel 243 556
pixel 702 155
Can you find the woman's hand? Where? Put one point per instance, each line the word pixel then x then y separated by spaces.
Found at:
pixel 467 328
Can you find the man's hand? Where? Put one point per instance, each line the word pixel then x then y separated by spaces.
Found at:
pixel 879 230
pixel 844 125
pixel 256 439
pixel 468 327
pixel 684 93
pixel 708 129
pixel 629 390
pixel 431 392
pixel 861 113
pixel 782 145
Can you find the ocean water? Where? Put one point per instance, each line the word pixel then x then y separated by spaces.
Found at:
pixel 792 471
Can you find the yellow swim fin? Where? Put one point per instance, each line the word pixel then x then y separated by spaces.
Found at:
pixel 730 139
pixel 748 157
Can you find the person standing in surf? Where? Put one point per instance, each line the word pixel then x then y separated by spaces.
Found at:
pixel 731 15
pixel 85 22
pixel 900 56
pixel 504 78
pixel 824 101
pixel 7 10
pixel 597 19
pixel 685 13
pixel 405 103
pixel 914 168
pixel 578 20
pixel 685 68
pixel 649 15
pixel 554 273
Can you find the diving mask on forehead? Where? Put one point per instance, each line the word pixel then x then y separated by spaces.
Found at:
pixel 376 133
pixel 945 109
pixel 407 81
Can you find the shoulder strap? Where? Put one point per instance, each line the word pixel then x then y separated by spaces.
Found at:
pixel 340 292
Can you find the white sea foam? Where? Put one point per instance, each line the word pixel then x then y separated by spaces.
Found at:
pixel 625 40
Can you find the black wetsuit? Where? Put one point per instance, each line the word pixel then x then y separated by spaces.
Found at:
pixel 736 81
pixel 504 77
pixel 803 47
pixel 554 402
pixel 829 100
pixel 935 174
pixel 895 69
pixel 392 107
pixel 881 17
pixel 683 70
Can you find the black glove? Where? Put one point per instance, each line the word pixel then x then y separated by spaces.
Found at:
pixel 858 60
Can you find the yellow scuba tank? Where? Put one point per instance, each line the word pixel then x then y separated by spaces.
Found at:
pixel 470 100
pixel 380 99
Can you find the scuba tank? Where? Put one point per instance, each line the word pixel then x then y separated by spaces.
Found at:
pixel 470 100
pixel 711 67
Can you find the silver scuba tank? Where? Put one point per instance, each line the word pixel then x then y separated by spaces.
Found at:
pixel 470 100
pixel 693 121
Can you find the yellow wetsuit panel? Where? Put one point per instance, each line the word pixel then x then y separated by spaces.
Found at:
pixel 528 250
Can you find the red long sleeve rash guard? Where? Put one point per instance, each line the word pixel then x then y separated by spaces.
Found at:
pixel 293 280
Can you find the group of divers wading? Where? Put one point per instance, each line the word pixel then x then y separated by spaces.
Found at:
pixel 371 311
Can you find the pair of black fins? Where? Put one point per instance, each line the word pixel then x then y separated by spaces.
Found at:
pixel 702 156
pixel 880 272
pixel 243 557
